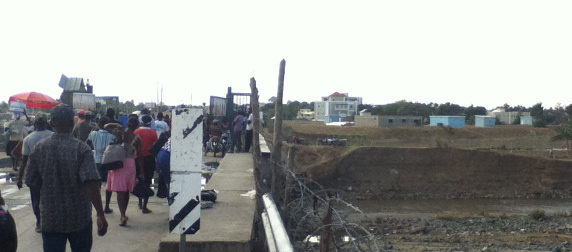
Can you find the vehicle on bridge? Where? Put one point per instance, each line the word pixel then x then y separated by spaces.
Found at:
pixel 215 145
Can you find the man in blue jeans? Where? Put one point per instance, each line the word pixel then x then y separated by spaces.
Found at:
pixel 64 168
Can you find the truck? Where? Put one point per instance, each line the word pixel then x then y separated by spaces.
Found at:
pixel 85 101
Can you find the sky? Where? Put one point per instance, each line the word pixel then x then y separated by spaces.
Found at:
pixel 481 53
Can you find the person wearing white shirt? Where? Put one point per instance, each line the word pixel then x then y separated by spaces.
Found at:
pixel 160 125
pixel 249 129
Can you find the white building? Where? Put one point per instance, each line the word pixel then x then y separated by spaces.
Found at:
pixel 336 107
pixel 305 114
pixel 507 117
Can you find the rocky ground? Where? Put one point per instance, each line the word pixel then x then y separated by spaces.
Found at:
pixel 522 233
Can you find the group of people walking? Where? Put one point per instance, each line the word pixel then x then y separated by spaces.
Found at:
pixel 65 168
pixel 240 127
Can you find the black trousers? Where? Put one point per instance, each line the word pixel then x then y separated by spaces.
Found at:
pixel 8 233
pixel 248 140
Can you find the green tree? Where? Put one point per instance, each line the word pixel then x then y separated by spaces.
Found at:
pixel 291 110
pixel 268 110
pixel 568 110
pixel 450 109
pixel 377 110
pixel 564 133
pixel 555 116
pixel 4 107
pixel 516 120
pixel 472 111
pixel 537 112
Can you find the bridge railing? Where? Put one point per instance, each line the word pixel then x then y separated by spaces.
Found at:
pixel 276 235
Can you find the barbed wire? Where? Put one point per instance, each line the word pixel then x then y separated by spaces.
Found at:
pixel 306 221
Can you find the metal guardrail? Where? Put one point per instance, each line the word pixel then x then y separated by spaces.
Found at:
pixel 276 235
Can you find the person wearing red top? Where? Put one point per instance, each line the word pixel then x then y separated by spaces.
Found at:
pixel 148 137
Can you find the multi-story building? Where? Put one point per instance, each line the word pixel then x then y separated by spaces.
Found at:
pixel 336 107
pixel 507 117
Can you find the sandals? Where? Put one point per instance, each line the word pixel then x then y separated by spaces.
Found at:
pixel 123 221
pixel 146 211
pixel 108 211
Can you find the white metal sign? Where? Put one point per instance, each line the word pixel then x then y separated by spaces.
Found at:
pixel 17 106
pixel 186 164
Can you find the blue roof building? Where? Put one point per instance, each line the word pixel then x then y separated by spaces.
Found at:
pixel 447 121
pixel 485 121
pixel 526 120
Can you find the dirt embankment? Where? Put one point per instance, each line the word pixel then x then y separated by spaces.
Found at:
pixel 382 173
pixel 502 137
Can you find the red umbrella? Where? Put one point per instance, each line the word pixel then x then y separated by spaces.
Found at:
pixel 35 100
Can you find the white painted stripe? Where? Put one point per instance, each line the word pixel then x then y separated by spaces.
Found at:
pixel 18 207
pixel 8 191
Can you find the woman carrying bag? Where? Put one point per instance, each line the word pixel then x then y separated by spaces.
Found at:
pixel 122 180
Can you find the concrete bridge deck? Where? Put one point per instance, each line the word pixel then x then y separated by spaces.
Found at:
pixel 227 226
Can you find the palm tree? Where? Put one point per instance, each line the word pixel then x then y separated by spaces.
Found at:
pixel 564 133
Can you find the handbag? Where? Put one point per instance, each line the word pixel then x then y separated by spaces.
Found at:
pixel 142 190
pixel 17 151
pixel 113 157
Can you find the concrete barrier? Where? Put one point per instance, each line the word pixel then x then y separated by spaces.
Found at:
pixel 228 225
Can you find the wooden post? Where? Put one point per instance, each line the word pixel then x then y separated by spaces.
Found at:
pixel 326 234
pixel 230 108
pixel 256 122
pixel 277 171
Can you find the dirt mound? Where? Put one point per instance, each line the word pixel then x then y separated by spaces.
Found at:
pixel 506 161
pixel 314 160
pixel 377 173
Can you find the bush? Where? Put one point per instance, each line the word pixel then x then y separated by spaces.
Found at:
pixel 538 214
pixel 539 123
